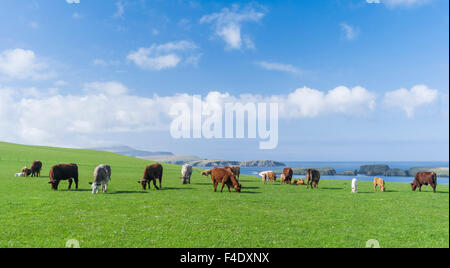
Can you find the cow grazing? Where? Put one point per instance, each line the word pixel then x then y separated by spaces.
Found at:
pixel 288 173
pixel 378 182
pixel 312 178
pixel 424 178
pixel 152 173
pixel 236 171
pixel 283 179
pixel 206 173
pixel 26 171
pixel 102 176
pixel 268 176
pixel 63 172
pixel 225 176
pixel 36 169
pixel 186 172
pixel 354 185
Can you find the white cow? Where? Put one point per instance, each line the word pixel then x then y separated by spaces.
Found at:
pixel 354 185
pixel 102 176
pixel 186 172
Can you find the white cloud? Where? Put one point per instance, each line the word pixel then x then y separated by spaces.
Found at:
pixel 120 10
pixel 399 3
pixel 60 83
pixel 160 57
pixel 109 88
pixel 349 31
pixel 410 100
pixel 73 1
pixel 105 63
pixel 273 66
pixel 23 64
pixel 228 24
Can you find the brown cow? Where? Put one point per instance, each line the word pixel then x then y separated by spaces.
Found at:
pixel 225 176
pixel 312 178
pixel 268 176
pixel 26 171
pixel 236 171
pixel 63 172
pixel 288 173
pixel 207 173
pixel 283 179
pixel 424 178
pixel 152 173
pixel 378 182
pixel 36 169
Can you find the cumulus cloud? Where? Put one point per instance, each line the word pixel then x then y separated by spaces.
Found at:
pixel 164 56
pixel 274 66
pixel 349 32
pixel 228 22
pixel 23 64
pixel 410 100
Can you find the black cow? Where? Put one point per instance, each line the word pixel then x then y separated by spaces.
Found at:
pixel 63 172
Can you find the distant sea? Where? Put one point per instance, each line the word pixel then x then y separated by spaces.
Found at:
pixel 344 166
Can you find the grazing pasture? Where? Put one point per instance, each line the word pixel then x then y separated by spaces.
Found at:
pixel 271 215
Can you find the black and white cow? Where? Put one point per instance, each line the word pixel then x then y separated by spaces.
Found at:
pixel 102 176
pixel 186 172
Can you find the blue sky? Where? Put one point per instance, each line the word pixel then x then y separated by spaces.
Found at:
pixel 99 73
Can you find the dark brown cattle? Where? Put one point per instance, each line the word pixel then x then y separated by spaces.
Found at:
pixel 288 173
pixel 312 178
pixel 424 178
pixel 63 172
pixel 224 176
pixel 152 173
pixel 36 169
pixel 236 171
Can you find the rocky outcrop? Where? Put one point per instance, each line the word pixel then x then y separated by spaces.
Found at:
pixel 262 163
pixel 396 172
pixel 348 173
pixel 440 171
pixel 213 163
pixel 373 170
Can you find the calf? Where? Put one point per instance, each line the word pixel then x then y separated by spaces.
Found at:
pixel 186 172
pixel 102 176
pixel 152 173
pixel 288 173
pixel 63 172
pixel 225 176
pixel 312 178
pixel 36 169
pixel 354 185
pixel 26 171
pixel 424 178
pixel 378 182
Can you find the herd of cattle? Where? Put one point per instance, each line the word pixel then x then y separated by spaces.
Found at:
pixel 228 176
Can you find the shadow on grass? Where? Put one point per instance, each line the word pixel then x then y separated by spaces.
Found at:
pixel 331 188
pixel 128 192
pixel 175 188
pixel 73 190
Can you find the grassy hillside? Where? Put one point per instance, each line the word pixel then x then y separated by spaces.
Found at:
pixel 273 215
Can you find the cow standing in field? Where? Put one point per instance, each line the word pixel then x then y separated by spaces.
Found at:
pixel 63 172
pixel 354 185
pixel 206 173
pixel 186 172
pixel 236 171
pixel 282 178
pixel 312 178
pixel 268 176
pixel 378 182
pixel 152 173
pixel 225 176
pixel 102 176
pixel 424 178
pixel 36 169
pixel 288 173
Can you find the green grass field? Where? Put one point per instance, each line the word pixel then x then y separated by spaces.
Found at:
pixel 273 215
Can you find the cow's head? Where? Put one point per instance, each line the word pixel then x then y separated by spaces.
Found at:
pixel 413 187
pixel 54 184
pixel 94 188
pixel 144 184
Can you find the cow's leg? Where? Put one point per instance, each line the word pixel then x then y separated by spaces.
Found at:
pixel 154 184
pixel 70 184
pixel 221 189
pixel 229 190
pixel 160 179
pixel 434 187
pixel 215 186
pixel 104 187
pixel 420 187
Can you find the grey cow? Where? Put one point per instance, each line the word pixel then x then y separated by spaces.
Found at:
pixel 186 172
pixel 102 176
